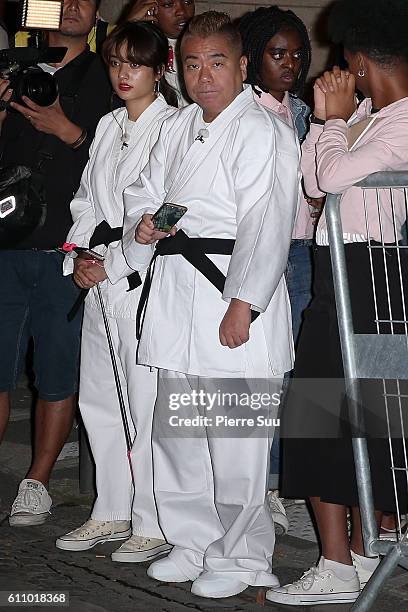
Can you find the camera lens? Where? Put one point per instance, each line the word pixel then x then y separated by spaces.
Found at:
pixel 37 85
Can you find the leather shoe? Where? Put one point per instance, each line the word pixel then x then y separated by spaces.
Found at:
pixel 166 571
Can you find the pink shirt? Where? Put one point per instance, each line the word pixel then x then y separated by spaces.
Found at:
pixel 329 166
pixel 303 227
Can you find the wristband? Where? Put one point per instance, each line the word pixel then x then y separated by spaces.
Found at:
pixel 316 120
pixel 80 140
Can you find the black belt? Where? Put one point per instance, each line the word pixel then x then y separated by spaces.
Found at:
pixel 104 234
pixel 195 251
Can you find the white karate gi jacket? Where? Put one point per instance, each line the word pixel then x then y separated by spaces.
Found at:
pixel 241 183
pixel 100 197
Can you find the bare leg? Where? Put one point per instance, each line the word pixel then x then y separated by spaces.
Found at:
pixel 356 543
pixel 331 522
pixel 53 424
pixel 4 412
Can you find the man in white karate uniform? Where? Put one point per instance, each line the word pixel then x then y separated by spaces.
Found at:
pixel 235 166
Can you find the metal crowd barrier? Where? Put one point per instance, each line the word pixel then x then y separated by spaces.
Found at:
pixel 375 356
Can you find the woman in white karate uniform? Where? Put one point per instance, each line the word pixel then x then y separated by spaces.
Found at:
pixel 136 54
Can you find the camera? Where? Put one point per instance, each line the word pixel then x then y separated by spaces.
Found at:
pixel 26 78
pixel 20 65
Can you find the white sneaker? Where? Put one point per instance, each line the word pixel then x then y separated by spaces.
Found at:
pixel 32 504
pixel 393 534
pixel 365 567
pixel 277 512
pixel 319 585
pixel 213 585
pixel 388 534
pixel 287 502
pixel 166 571
pixel 94 532
pixel 138 548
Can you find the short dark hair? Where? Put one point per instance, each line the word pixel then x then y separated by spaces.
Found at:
pixel 146 45
pixel 378 29
pixel 258 27
pixel 213 22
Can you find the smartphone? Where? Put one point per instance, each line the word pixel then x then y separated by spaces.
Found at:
pixel 82 252
pixel 167 216
pixel 90 255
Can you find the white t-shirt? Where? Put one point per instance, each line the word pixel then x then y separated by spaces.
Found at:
pixel 174 75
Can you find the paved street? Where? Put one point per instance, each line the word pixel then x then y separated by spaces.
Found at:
pixel 30 561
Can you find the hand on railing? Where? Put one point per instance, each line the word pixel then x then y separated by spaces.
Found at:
pixel 316 206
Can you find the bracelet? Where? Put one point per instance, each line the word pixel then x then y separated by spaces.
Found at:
pixel 80 140
pixel 316 120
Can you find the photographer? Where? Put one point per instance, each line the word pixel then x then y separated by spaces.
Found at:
pixel 35 297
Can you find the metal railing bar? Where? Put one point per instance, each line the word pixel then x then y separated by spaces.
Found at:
pixel 343 305
pixel 384 180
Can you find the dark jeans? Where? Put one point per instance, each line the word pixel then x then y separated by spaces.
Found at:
pixel 34 301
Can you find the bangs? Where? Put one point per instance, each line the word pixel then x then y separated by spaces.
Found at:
pixel 140 48
pixel 137 51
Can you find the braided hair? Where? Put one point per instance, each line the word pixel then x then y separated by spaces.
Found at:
pixel 258 27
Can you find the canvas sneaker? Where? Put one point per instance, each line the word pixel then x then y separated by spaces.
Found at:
pixel 319 585
pixel 277 512
pixel 393 534
pixel 365 567
pixel 92 533
pixel 32 504
pixel 138 548
pixel 287 502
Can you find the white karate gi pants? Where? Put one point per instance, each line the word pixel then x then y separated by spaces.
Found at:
pixel 100 411
pixel 210 491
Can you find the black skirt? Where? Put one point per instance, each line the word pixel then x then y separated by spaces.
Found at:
pixel 316 434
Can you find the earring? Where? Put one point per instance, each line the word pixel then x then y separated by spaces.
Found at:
pixel 156 89
pixel 361 72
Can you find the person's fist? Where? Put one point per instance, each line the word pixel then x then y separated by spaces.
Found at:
pixel 143 10
pixel 88 273
pixel 234 328
pixel 146 233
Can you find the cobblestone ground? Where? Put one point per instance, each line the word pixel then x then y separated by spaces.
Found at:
pixel 30 561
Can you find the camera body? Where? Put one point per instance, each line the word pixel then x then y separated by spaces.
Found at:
pixel 20 67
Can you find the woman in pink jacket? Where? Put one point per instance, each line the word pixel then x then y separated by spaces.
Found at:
pixel 346 144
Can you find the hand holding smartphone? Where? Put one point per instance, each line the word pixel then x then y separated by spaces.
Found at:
pixel 167 216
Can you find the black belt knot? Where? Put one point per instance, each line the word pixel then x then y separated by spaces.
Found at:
pixel 195 251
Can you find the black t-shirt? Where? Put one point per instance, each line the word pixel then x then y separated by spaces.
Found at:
pixel 85 95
